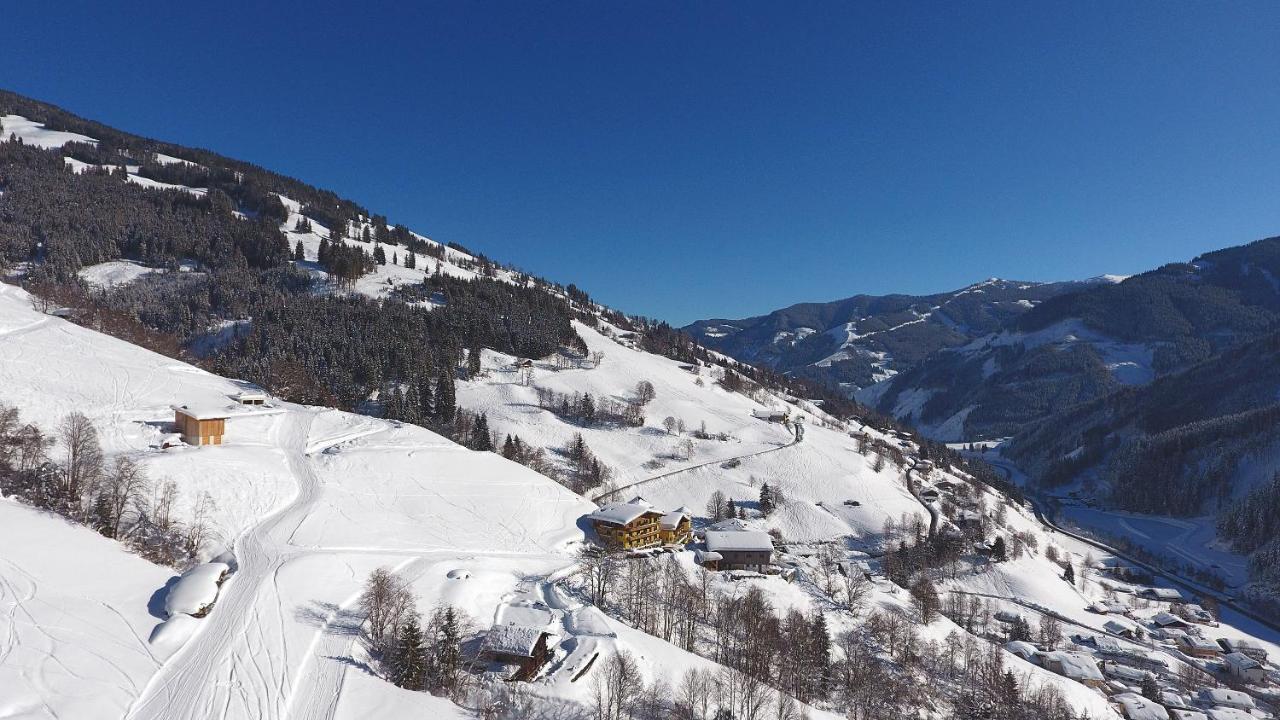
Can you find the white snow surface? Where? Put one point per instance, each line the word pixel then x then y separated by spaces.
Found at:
pixel 114 273
pixel 196 590
pixel 36 134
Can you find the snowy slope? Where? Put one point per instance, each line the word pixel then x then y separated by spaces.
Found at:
pixel 309 500
pixel 75 613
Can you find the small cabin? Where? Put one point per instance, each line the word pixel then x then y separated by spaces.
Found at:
pixel 251 398
pixel 519 645
pixel 200 426
pixel 1245 668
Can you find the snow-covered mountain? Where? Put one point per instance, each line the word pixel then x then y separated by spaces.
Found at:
pixel 858 341
pixel 901 569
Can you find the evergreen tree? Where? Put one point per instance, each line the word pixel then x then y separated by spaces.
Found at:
pixel 732 509
pixel 446 400
pixel 999 553
pixel 473 362
pixel 766 499
pixel 480 437
pixel 379 255
pixel 447 656
pixel 299 253
pixel 1069 574
pixel 407 661
pixel 509 449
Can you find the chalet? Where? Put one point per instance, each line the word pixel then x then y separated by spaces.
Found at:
pixel 627 525
pixel 676 527
pixel 1137 707
pixel 519 645
pixel 740 549
pixel 1023 649
pixel 1244 668
pixel 1166 621
pixel 1124 673
pixel 251 398
pixel 1197 614
pixel 1118 628
pixel 1222 697
pixel 777 416
pixel 1243 645
pixel 200 425
pixel 1163 594
pixel 1077 666
pixel 1109 607
pixel 1197 646
pixel 522 364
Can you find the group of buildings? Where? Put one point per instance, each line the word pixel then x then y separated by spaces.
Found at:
pixel 1122 669
pixel 637 525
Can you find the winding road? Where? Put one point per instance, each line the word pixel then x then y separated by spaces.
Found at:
pixel 668 474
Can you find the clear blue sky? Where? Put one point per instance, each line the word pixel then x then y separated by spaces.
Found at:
pixel 686 160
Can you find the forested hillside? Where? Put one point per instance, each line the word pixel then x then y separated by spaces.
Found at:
pixel 853 343
pixel 266 278
pixel 1081 346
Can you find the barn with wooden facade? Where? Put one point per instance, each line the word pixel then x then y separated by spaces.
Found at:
pixel 635 525
pixel 200 426
pixel 738 550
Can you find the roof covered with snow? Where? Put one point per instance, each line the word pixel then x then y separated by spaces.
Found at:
pixel 1240 661
pixel 1075 665
pixel 619 513
pixel 1137 707
pixel 675 517
pixel 739 541
pixel 512 639
pixel 1223 696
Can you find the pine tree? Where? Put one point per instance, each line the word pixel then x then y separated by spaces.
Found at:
pixel 998 551
pixel 446 400
pixel 732 509
pixel 509 448
pixel 473 362
pixel 447 651
pixel 1069 574
pixel 480 438
pixel 379 255
pixel 819 653
pixel 766 499
pixel 299 253
pixel 407 664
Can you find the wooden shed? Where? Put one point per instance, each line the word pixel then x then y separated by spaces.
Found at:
pixel 200 426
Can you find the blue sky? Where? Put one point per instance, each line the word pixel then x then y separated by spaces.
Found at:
pixel 686 160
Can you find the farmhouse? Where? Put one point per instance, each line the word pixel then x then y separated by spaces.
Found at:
pixel 1136 707
pixel 1165 594
pixel 1243 645
pixel 1118 628
pixel 1196 646
pixel 1222 697
pixel 519 645
pixel 200 425
pixel 740 549
pixel 1245 668
pixel 1167 620
pixel 1077 666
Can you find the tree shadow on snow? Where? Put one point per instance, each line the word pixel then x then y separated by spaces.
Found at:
pixel 155 604
pixel 330 618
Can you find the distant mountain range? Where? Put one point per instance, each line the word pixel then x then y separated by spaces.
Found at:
pixel 859 341
pixel 1157 393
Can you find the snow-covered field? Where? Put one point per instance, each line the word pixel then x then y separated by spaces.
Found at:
pixel 309 501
